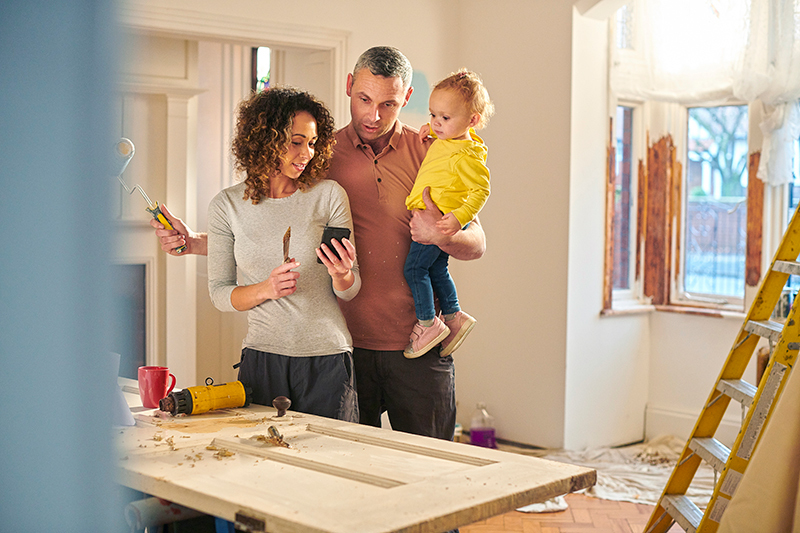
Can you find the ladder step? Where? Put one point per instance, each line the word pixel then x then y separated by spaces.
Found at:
pixel 787 267
pixel 681 508
pixel 765 328
pixel 712 451
pixel 739 390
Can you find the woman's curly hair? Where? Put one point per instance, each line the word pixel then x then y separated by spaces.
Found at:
pixel 263 134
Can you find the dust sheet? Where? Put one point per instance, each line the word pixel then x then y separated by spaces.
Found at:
pixel 636 473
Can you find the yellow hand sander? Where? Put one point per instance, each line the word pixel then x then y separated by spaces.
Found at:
pixel 196 400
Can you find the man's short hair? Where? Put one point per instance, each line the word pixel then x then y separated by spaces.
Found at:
pixel 386 61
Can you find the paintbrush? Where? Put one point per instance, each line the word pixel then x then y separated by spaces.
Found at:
pixel 286 237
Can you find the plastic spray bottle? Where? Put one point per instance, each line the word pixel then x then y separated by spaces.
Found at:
pixel 481 429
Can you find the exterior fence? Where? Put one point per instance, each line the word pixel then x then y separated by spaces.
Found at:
pixel 714 257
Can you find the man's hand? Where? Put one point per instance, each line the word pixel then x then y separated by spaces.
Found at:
pixel 448 224
pixel 463 245
pixel 196 243
pixel 423 222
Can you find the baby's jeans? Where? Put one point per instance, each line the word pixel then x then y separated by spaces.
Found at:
pixel 426 272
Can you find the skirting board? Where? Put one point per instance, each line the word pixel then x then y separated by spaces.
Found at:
pixel 662 421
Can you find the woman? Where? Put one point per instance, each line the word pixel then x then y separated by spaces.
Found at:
pixel 297 342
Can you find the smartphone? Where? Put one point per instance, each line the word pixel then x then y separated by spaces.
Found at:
pixel 331 232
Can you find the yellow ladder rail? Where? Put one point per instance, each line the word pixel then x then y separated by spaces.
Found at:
pixel 674 506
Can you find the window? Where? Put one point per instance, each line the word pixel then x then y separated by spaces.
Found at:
pixel 715 205
pixel 623 198
pixel 262 57
pixel 793 197
pixel 621 206
pixel 686 219
pixel 624 27
pixel 794 186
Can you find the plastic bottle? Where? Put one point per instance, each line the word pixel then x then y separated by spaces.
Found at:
pixel 481 429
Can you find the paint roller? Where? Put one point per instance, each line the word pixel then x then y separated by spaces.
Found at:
pixel 124 151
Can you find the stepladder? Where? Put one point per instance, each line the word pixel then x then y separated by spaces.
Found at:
pixel 758 400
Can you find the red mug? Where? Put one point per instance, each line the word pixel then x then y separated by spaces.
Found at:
pixel 153 384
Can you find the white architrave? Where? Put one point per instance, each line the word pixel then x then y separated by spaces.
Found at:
pixel 150 17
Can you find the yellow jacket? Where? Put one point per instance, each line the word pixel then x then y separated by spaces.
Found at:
pixel 457 174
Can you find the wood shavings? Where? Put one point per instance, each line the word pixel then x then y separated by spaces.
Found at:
pixel 223 453
pixel 269 439
pixel 220 452
pixel 653 458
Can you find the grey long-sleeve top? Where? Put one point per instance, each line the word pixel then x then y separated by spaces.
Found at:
pixel 249 238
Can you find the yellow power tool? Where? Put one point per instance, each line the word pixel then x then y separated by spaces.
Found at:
pixel 196 400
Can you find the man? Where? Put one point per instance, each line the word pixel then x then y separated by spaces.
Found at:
pixel 376 161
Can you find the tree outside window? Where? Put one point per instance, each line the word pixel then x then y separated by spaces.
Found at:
pixel 716 208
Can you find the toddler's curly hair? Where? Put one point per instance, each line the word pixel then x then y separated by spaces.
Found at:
pixel 470 86
pixel 263 134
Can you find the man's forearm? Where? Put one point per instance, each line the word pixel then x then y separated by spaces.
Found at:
pixel 466 244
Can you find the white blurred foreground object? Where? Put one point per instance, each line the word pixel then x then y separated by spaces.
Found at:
pixel 120 412
pixel 151 512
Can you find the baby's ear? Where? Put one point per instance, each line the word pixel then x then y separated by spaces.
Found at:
pixel 475 120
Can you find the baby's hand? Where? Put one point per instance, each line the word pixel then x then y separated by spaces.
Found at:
pixel 448 224
pixel 424 133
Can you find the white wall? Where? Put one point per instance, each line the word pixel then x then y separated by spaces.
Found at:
pixel 224 75
pixel 515 358
pixel 552 372
pixel 607 357
pixel 687 355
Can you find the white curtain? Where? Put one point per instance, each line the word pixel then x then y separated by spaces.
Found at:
pixel 707 52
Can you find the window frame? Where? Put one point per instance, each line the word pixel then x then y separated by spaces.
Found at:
pixel 678 295
pixel 767 206
pixel 631 295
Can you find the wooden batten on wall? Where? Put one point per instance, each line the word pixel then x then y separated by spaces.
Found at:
pixel 662 171
pixel 755 222
pixel 608 259
pixel 659 199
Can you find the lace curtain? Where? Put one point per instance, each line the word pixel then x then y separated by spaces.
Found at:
pixel 707 52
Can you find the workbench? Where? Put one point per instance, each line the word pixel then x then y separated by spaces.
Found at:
pixel 334 476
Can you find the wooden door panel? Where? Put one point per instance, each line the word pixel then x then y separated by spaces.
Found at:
pixel 335 476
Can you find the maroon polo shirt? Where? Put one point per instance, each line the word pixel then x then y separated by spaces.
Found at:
pixel 382 315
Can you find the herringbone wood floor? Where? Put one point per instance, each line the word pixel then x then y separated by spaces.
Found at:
pixel 584 515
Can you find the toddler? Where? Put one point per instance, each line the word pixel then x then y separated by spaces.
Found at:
pixel 455 170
